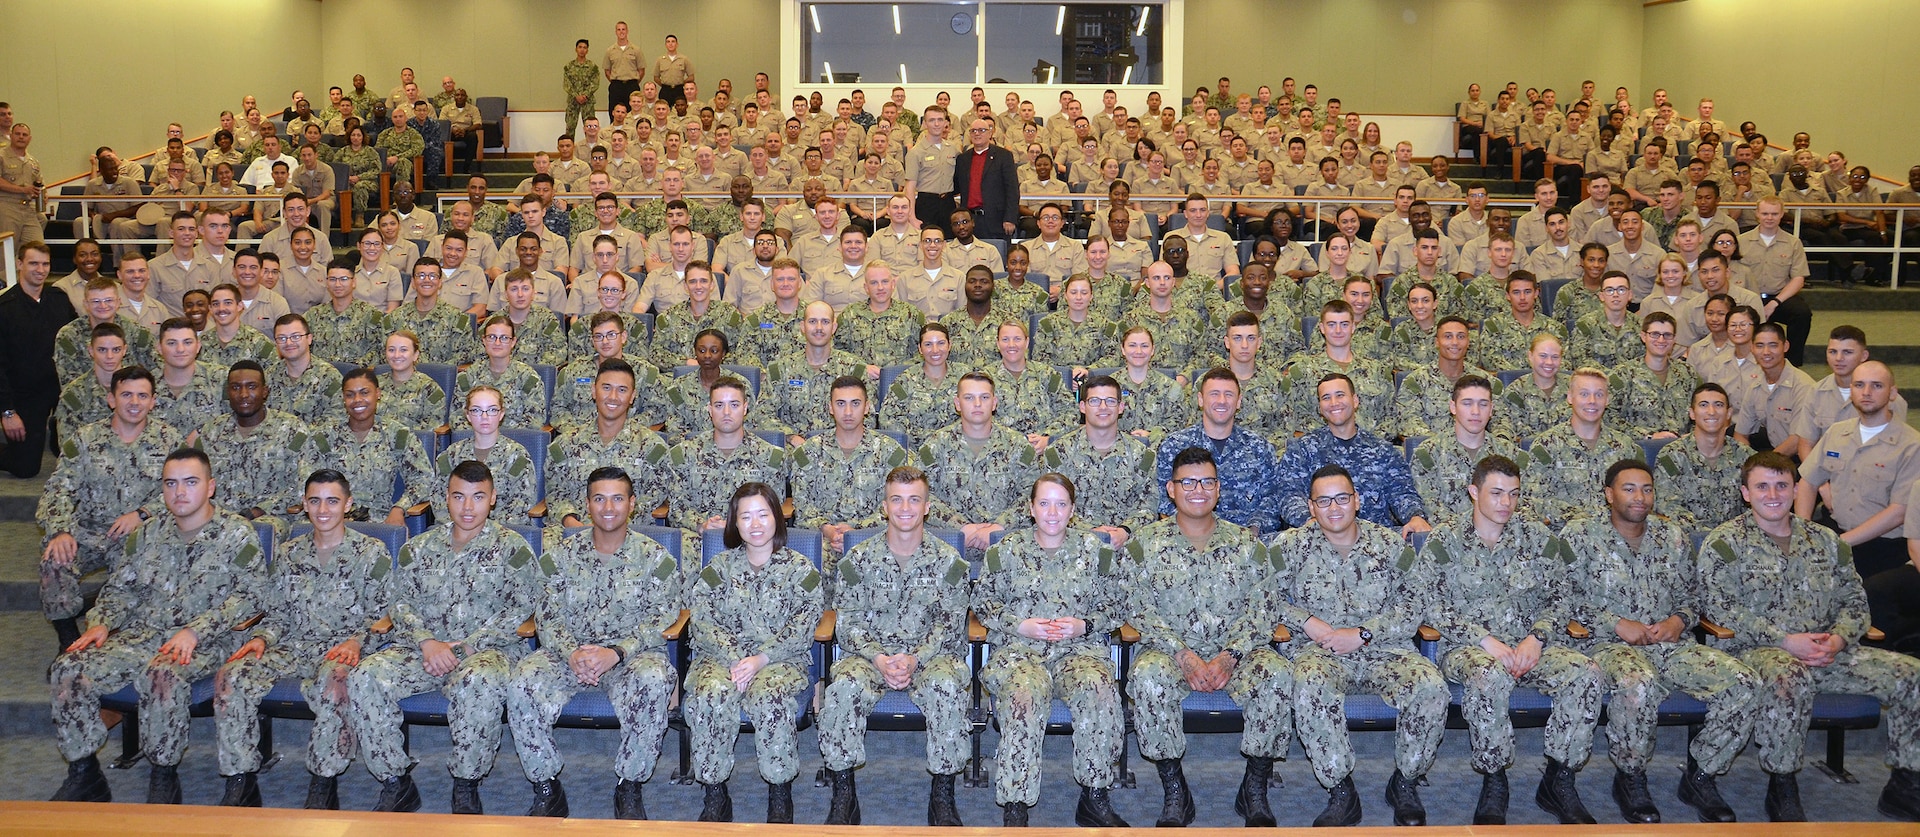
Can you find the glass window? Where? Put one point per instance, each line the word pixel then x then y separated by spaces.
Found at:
pixel 1000 41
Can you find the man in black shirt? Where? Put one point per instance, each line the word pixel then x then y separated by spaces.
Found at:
pixel 29 387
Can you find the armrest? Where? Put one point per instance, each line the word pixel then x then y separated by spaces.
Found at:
pixel 1714 630
pixel 419 167
pixel 660 512
pixel 1577 630
pixel 823 632
pixel 1427 633
pixel 479 142
pixel 527 629
pixel 976 632
pixel 786 508
pixel 1128 635
pixel 538 511
pixel 1875 634
pixel 679 627
pixel 1281 634
pixel 443 430
pixel 384 625
pixel 418 509
pixel 248 623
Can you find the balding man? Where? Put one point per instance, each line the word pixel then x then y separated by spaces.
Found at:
pixel 1861 471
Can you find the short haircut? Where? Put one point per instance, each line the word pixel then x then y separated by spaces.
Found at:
pixel 135 372
pixel 1331 469
pixel 1193 455
pixel 472 471
pixel 1495 464
pixel 1770 460
pixel 329 476
pixel 1622 466
pixel 1218 373
pixel 1467 382
pixel 615 473
pixel 190 455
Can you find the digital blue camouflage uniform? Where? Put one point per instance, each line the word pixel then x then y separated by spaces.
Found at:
pixel 98 479
pixel 1380 477
pixel 1563 474
pixel 314 397
pixel 473 597
pixel 523 396
pixel 1507 590
pixel 1615 580
pixel 1203 600
pixel 1372 384
pixel 739 611
pixel 1249 475
pixel 1114 487
pixel 1022 581
pixel 389 452
pixel 1369 587
pixel 312 602
pixel 888 604
pixel 514 487
pixel 1698 493
pixel 624 601
pixel 1763 593
pixel 1443 468
pixel 166 581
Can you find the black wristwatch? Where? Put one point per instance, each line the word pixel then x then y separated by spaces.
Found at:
pixel 1366 637
pixel 1235 654
pixel 618 656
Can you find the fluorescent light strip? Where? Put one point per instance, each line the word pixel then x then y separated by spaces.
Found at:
pixel 1128 77
pixel 815 12
pixel 1137 30
pixel 829 66
pixel 1050 71
pixel 1060 22
pixel 896 20
pixel 903 74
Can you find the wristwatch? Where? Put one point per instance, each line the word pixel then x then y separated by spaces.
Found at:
pixel 7 414
pixel 1366 637
pixel 1235 654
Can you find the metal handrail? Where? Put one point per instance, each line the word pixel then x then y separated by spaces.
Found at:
pixel 84 224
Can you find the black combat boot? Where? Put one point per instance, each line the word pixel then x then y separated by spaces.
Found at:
pixel 1783 798
pixel 323 793
pixel 780 802
pixel 1560 796
pixel 716 805
pixel 1251 802
pixel 549 799
pixel 1900 799
pixel 1492 807
pixel 163 785
pixel 941 811
pixel 1635 801
pixel 1176 806
pixel 466 796
pixel 1096 810
pixel 1014 815
pixel 1404 795
pixel 85 782
pixel 398 794
pixel 243 791
pixel 1343 806
pixel 627 803
pixel 67 631
pixel 845 807
pixel 1697 788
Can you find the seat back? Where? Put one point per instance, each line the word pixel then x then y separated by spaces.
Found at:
pixel 1508 376
pixel 549 375
pixel 1549 290
pixel 773 437
pixel 899 437
pixel 393 536
pixel 954 538
pixel 1650 448
pixel 534 440
pixel 887 376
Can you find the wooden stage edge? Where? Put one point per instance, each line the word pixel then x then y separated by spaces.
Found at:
pixel 129 820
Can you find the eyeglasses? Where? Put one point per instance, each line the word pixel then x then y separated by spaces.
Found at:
pixel 1613 291
pixel 284 339
pixel 484 412
pixel 1344 498
pixel 499 338
pixel 1199 483
pixel 1103 401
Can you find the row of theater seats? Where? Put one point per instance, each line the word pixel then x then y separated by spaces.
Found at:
pixel 1834 714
